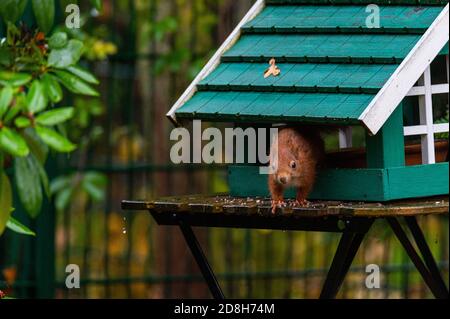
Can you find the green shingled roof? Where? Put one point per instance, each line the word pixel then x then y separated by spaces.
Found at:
pixel 331 64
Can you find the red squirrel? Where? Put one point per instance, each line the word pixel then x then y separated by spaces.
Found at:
pixel 300 150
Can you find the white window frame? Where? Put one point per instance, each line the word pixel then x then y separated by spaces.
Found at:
pixel 427 128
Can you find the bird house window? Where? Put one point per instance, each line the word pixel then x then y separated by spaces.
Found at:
pixel 428 90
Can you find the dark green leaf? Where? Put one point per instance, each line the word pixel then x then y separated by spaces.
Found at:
pixel 65 3
pixel 44 11
pixel 62 199
pixel 96 178
pixel 18 227
pixel 55 116
pixel 36 100
pixel 97 4
pixel 69 55
pixel 12 33
pixel 57 40
pixel 12 10
pixel 14 79
pixel 6 96
pixel 5 56
pixel 60 183
pixel 75 84
pixel 5 200
pixel 94 184
pixel 22 122
pixel 83 74
pixel 55 140
pixel 52 88
pixel 96 193
pixel 16 108
pixel 13 143
pixel 44 178
pixel 28 184
pixel 37 147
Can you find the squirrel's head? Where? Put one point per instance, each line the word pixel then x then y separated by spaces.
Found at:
pixel 285 167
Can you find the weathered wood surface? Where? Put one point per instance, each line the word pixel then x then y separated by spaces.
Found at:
pixel 228 205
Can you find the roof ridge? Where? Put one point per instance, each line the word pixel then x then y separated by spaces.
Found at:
pixel 286 89
pixel 331 30
pixel 360 2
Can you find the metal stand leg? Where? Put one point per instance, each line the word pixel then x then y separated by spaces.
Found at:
pixel 429 274
pixel 425 251
pixel 201 260
pixel 345 253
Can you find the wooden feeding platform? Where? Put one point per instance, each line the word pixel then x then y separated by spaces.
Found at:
pixel 352 219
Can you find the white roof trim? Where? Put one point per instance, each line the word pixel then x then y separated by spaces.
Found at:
pixel 215 60
pixel 407 74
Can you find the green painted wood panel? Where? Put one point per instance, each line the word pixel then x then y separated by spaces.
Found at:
pixel 418 181
pixel 320 48
pixel 350 184
pixel 386 148
pixel 302 77
pixel 333 184
pixel 315 19
pixel 353 184
pixel 238 106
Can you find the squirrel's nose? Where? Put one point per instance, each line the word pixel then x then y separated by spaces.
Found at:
pixel 283 180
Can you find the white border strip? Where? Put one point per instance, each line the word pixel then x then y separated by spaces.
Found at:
pixel 407 74
pixel 215 60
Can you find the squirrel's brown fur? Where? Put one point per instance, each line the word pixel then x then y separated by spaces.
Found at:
pixel 299 153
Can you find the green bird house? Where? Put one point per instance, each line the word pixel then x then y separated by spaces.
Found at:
pixel 378 65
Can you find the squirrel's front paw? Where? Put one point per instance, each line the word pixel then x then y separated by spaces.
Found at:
pixel 277 203
pixel 301 203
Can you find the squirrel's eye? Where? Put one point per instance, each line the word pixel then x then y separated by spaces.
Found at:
pixel 293 165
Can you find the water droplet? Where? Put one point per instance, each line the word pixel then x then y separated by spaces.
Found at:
pixel 124 231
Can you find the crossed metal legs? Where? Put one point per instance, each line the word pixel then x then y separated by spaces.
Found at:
pixel 343 258
pixel 350 242
pixel 426 266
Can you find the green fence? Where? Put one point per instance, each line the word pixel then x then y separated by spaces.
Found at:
pixel 162 44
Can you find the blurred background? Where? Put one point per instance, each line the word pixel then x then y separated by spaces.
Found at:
pixel 145 54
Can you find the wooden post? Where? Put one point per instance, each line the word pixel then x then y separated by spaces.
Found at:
pixel 387 147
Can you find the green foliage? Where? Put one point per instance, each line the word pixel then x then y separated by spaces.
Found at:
pixel 18 227
pixel 12 10
pixel 5 199
pixel 28 181
pixel 442 120
pixel 67 188
pixel 67 55
pixel 97 4
pixel 13 143
pixel 34 69
pixel 54 117
pixel 52 87
pixel 74 83
pixel 83 74
pixel 55 140
pixel 44 11
pixel 58 40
